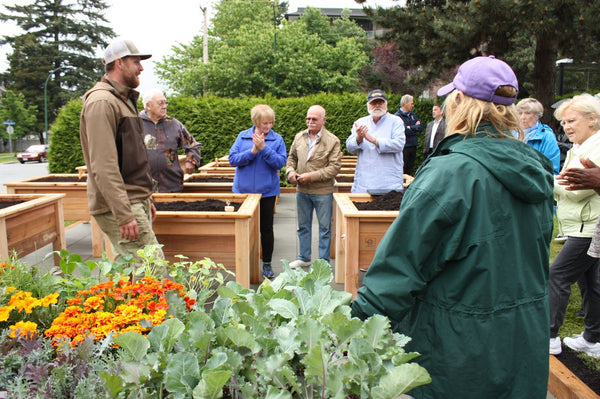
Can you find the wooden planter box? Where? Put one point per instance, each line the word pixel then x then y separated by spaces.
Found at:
pixel 31 225
pixel 194 184
pixel 357 234
pixel 75 202
pixel 230 238
pixel 346 186
pixel 563 384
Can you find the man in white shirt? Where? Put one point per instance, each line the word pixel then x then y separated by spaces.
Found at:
pixel 435 131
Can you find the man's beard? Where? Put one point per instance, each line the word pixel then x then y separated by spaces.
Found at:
pixel 377 112
pixel 131 81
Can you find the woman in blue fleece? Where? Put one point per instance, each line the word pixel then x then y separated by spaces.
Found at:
pixel 258 154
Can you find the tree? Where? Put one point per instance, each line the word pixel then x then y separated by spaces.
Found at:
pixel 58 35
pixel 436 35
pixel 253 52
pixel 12 106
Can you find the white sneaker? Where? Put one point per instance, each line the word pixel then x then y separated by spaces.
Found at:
pixel 299 263
pixel 560 238
pixel 580 344
pixel 555 346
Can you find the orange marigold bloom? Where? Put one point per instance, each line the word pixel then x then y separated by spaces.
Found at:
pixel 5 312
pixel 51 299
pixel 26 329
pixel 93 303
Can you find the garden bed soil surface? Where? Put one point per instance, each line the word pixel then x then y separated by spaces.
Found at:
pixel 387 202
pixel 590 377
pixel 58 179
pixel 206 179
pixel 208 205
pixel 6 204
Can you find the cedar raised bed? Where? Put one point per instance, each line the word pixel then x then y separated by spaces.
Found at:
pixel 75 202
pixel 563 384
pixel 32 224
pixel 230 238
pixel 344 182
pixel 204 183
pixel 357 234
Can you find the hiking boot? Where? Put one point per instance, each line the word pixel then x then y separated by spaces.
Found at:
pixel 299 263
pixel 580 344
pixel 267 270
pixel 555 346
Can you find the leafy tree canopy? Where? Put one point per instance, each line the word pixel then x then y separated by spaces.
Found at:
pixel 60 36
pixel 12 106
pixel 254 52
pixel 436 35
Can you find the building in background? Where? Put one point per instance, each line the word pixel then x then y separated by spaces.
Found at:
pixel 356 14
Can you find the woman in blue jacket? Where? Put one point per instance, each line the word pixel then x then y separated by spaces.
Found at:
pixel 538 135
pixel 258 154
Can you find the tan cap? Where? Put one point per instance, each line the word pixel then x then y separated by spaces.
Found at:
pixel 122 48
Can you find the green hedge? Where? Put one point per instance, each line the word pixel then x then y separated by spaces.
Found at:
pixel 216 122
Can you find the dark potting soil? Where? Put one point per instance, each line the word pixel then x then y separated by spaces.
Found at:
pixel 387 202
pixel 6 204
pixel 58 179
pixel 209 205
pixel 216 179
pixel 590 377
pixel 344 179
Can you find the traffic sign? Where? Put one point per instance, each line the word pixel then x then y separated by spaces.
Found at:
pixel 10 122
pixel 10 130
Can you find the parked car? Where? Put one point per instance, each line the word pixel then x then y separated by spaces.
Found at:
pixel 37 152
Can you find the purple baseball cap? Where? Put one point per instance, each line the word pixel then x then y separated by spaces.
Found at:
pixel 480 77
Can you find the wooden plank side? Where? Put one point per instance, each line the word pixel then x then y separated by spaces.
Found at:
pixel 563 384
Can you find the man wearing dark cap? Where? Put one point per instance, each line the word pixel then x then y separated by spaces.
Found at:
pixel 378 140
pixel 119 184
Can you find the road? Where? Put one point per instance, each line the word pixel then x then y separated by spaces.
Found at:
pixel 15 171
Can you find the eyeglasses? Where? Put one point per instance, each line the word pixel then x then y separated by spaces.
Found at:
pixel 568 122
pixel 312 119
pixel 161 103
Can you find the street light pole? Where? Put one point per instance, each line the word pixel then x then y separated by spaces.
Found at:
pixel 46 101
pixel 204 10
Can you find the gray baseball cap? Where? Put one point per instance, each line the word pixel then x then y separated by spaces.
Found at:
pixel 120 49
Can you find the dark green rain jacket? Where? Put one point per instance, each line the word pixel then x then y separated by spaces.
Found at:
pixel 463 270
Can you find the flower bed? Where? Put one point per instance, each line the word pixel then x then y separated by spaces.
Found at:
pixel 32 224
pixel 204 183
pixel 230 238
pixel 562 383
pixel 357 234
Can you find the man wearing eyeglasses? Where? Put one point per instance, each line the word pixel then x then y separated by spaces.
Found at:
pixel 163 136
pixel 119 184
pixel 314 161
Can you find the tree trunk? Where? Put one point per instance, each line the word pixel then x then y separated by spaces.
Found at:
pixel 544 75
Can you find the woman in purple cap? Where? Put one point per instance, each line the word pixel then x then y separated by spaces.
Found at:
pixel 463 270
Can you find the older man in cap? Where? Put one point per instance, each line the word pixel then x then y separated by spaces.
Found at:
pixel 119 185
pixel 378 139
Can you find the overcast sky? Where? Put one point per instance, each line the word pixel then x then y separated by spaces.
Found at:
pixel 156 25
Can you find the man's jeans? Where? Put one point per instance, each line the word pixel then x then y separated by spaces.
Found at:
pixel 322 204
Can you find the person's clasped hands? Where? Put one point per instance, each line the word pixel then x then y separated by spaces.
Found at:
pixel 259 142
pixel 584 178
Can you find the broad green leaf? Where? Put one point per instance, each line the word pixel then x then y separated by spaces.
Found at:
pixel 201 329
pixel 134 343
pixel 240 338
pixel 182 373
pixel 163 337
pixel 400 380
pixel 376 327
pixel 342 328
pixel 220 311
pixel 316 363
pixel 113 384
pixel 284 308
pixel 274 393
pixel 310 331
pixel 211 384
pixel 287 338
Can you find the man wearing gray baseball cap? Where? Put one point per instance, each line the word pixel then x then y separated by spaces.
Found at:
pixel 119 185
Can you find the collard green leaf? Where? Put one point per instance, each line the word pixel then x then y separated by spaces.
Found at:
pixel 315 362
pixel 134 343
pixel 377 329
pixel 162 338
pixel 342 328
pixel 182 373
pixel 400 380
pixel 284 308
pixel 211 384
pixel 220 311
pixel 274 393
pixel 240 338
pixel 201 329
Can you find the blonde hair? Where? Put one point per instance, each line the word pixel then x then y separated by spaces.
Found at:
pixel 260 112
pixel 464 114
pixel 531 105
pixel 585 104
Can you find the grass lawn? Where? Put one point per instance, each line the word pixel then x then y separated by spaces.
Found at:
pixel 573 324
pixel 7 157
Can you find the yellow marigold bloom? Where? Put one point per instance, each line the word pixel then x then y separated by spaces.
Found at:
pixel 51 299
pixel 24 301
pixel 25 329
pixel 5 312
pixel 10 288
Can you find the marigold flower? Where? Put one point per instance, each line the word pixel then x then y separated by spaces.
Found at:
pixel 5 312
pixel 51 299
pixel 26 329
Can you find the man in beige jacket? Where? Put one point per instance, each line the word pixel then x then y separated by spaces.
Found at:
pixel 313 163
pixel 119 185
